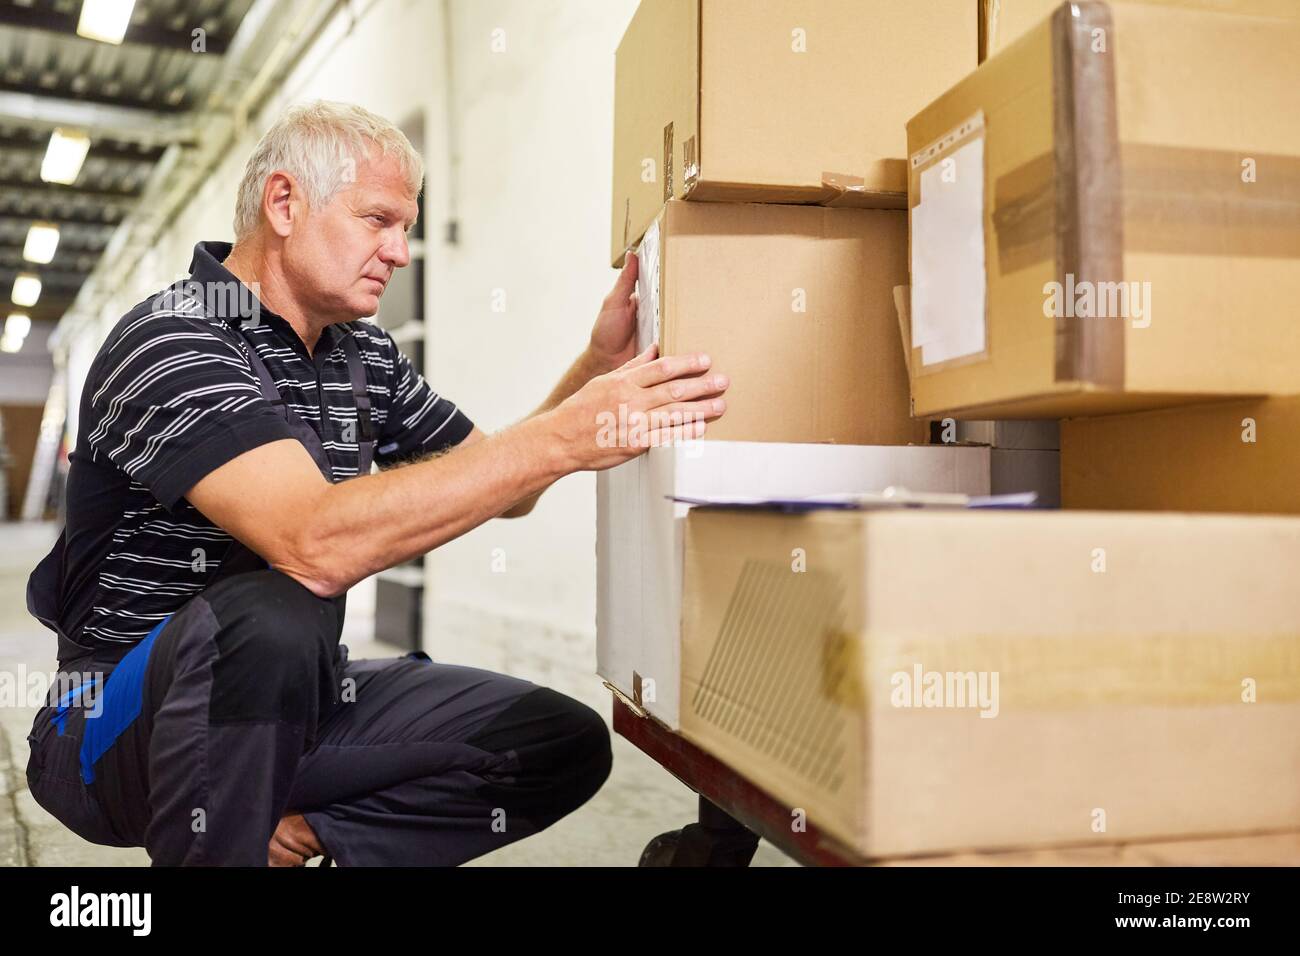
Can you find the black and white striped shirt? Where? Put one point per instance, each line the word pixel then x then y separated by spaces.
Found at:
pixel 171 397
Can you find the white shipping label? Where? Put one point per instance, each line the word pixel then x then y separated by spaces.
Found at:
pixel 647 289
pixel 948 279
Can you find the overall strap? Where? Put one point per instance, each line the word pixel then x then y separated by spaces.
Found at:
pixel 269 391
pixel 365 428
pixel 300 429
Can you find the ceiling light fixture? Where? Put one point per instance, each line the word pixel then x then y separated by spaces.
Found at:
pixel 64 156
pixel 105 20
pixel 18 325
pixel 42 241
pixel 27 289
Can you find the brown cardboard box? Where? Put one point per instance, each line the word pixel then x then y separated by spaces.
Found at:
pixel 1227 456
pixel 1140 251
pixel 779 101
pixel 1140 673
pixel 794 304
pixel 1002 22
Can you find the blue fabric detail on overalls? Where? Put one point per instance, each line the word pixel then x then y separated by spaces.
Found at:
pixel 60 717
pixel 120 703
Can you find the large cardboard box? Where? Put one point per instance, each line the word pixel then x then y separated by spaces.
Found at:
pixel 922 682
pixel 1105 218
pixel 794 304
pixel 779 101
pixel 1227 456
pixel 1002 22
pixel 639 533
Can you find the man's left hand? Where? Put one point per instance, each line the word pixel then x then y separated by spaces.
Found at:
pixel 613 338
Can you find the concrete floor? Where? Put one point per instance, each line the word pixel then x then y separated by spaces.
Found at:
pixel 639 801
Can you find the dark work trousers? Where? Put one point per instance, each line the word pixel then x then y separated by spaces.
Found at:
pixel 243 706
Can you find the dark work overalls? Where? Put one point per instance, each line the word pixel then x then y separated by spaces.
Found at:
pixel 242 706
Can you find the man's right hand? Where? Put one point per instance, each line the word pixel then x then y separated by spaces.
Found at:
pixel 643 404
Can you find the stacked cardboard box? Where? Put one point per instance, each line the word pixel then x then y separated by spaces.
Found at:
pixel 1211 223
pixel 783 101
pixel 1090 204
pixel 1225 456
pixel 924 681
pixel 770 234
pixel 796 295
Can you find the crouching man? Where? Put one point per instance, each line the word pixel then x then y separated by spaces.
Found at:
pixel 221 502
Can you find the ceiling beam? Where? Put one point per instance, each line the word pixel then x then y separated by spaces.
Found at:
pixel 93 96
pixel 80 261
pixel 58 193
pixel 47 308
pixel 71 248
pixel 143 34
pixel 75 219
pixel 99 149
pixel 126 123
pixel 50 277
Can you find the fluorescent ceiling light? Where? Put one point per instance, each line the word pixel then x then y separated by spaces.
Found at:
pixel 10 343
pixel 105 20
pixel 42 240
pixel 64 156
pixel 27 289
pixel 18 325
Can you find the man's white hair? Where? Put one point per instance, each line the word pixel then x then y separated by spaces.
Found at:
pixel 320 144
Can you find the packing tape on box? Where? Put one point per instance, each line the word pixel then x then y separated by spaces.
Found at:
pixel 1175 200
pixel 785 654
pixel 844 189
pixel 1089 227
pixel 1210 201
pixel 903 309
pixel 631 704
pixel 690 166
pixel 794 711
pixel 1069 672
pixel 1038 673
pixel 667 168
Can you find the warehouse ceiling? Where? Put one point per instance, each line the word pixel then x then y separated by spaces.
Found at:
pixel 131 100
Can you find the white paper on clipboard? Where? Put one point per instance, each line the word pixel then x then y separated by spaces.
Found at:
pixel 948 277
pixel 647 289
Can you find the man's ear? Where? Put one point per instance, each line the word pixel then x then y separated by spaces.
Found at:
pixel 281 202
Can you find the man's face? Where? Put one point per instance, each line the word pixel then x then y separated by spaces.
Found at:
pixel 341 256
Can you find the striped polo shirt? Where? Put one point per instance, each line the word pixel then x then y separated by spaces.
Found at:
pixel 169 398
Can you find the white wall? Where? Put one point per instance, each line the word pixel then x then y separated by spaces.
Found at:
pixel 535 130
pixel 533 123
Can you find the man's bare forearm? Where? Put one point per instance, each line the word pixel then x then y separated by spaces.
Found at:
pixel 584 368
pixel 376 521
